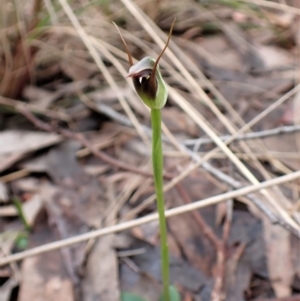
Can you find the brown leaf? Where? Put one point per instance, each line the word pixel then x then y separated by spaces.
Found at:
pixel 7 287
pixel 17 74
pixel 32 207
pixel 76 204
pixel 139 284
pixel 8 210
pixel 100 280
pixel 16 144
pixel 194 245
pixel 44 277
pixel 181 272
pixel 45 281
pixel 292 111
pixel 285 144
pixel 278 253
pixel 39 96
pixel 147 232
pixel 296 254
pixel 238 274
pixel 3 193
pixel 85 204
pixel 274 57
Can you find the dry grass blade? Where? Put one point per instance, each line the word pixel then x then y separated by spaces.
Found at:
pixel 288 219
pixel 19 105
pixel 87 41
pixel 270 4
pixel 152 217
pixel 199 162
pixel 232 112
pixel 194 114
pixel 230 71
pixel 197 118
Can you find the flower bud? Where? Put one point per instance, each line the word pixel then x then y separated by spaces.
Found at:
pixel 147 78
pixel 149 83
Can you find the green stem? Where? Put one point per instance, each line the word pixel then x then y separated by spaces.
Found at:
pixel 157 161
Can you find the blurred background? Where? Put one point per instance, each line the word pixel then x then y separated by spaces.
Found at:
pixel 75 144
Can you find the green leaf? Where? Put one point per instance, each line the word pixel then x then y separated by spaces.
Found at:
pixel 174 294
pixel 130 297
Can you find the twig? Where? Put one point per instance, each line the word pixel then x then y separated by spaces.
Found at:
pixel 205 228
pixel 15 175
pixel 253 135
pixel 79 137
pixel 199 119
pixel 216 294
pixel 151 217
pixel 93 52
pixel 232 266
pixel 214 171
pixel 19 105
pixel 200 161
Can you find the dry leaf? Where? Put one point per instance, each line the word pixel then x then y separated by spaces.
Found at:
pixel 3 193
pixel 101 274
pixel 6 289
pixel 296 254
pixel 282 19
pixel 32 207
pixel 139 284
pixel 285 144
pixel 292 111
pixel 8 211
pixel 45 276
pixel 28 184
pixel 45 281
pixel 39 96
pixel 25 141
pixel 147 232
pixel 238 275
pixel 16 144
pixel 278 253
pixel 274 57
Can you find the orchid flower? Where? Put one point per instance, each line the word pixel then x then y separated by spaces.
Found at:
pixel 152 90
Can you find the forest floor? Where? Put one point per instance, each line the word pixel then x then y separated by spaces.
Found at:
pixel 76 187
